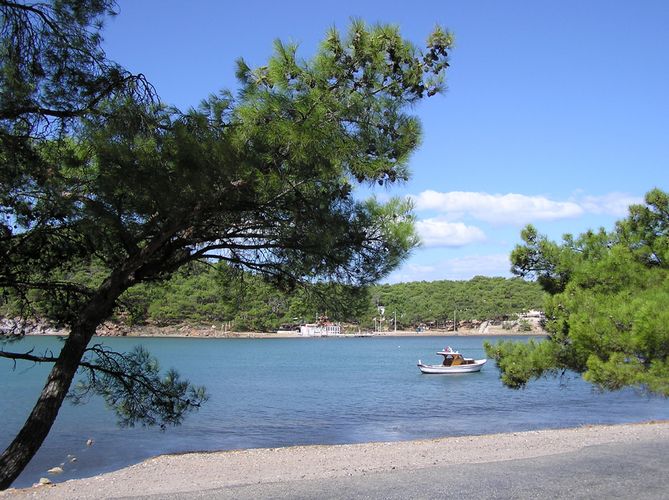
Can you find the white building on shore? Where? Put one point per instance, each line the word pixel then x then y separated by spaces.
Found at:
pixel 320 330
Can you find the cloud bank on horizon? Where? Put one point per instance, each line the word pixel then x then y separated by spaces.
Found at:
pixel 467 233
pixel 520 209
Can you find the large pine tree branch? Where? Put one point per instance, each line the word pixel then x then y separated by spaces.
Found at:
pixel 88 107
pixel 118 373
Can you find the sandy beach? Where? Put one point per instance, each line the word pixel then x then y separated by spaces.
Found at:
pixel 197 472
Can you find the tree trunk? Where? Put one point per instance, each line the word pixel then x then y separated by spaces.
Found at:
pixel 29 439
pixel 37 426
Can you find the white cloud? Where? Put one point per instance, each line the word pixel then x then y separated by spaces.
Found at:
pixel 451 225
pixel 508 208
pixel 518 209
pixel 610 204
pixel 437 232
pixel 459 268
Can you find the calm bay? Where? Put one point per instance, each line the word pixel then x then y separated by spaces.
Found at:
pixel 282 392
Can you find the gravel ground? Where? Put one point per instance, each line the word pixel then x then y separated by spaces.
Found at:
pixel 197 472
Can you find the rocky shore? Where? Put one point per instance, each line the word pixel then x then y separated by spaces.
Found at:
pixel 196 473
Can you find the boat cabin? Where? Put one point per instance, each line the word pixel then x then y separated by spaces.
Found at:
pixel 455 359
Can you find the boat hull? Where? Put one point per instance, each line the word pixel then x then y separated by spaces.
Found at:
pixel 446 370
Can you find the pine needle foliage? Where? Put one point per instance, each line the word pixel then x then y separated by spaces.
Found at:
pixel 607 305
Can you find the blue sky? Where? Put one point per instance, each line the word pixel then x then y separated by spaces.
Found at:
pixel 556 114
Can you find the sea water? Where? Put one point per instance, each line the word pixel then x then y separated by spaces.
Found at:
pixel 282 392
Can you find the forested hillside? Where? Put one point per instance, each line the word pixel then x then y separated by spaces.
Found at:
pixel 213 294
pixel 480 298
pixel 200 294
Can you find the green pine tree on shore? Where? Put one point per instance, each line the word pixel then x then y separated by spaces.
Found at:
pixel 606 312
pixel 96 171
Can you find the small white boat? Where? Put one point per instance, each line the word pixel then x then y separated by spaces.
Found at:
pixel 454 362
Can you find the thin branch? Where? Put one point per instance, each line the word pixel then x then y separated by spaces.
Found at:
pixel 118 374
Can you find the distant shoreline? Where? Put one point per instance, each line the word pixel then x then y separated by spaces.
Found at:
pixel 220 330
pixel 204 333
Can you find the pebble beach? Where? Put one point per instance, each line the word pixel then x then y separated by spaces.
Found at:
pixel 169 475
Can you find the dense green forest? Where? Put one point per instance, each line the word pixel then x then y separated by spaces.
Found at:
pixel 436 302
pixel 202 294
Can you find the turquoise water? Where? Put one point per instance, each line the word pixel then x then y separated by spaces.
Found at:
pixel 281 392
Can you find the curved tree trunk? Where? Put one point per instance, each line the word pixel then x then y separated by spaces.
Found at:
pixel 29 439
pixel 36 428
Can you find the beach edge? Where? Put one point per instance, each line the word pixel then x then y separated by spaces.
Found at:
pixel 201 471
